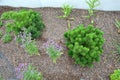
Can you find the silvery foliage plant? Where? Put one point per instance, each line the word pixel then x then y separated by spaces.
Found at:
pixel 52 49
pixel 25 39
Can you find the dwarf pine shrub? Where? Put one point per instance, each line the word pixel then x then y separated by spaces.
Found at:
pixel 115 75
pixel 29 19
pixel 84 44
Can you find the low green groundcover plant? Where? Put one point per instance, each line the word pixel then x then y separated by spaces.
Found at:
pixel 85 44
pixel 1 23
pixel 118 48
pixel 6 38
pixel 29 19
pixel 32 48
pixel 32 74
pixel 26 71
pixel 115 75
pixel 1 34
pixel 1 78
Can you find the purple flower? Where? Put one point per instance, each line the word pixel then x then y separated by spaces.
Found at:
pixel 19 71
pixel 21 65
pixel 53 49
pixel 20 76
pixel 51 43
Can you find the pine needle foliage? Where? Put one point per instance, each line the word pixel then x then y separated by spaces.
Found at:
pixel 85 44
pixel 29 19
pixel 115 75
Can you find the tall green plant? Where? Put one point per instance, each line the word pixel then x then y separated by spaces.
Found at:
pixel 92 5
pixel 117 24
pixel 66 9
pixel 84 44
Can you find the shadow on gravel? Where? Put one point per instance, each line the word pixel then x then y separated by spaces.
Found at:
pixel 6 69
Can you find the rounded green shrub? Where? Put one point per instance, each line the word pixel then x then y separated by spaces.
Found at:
pixel 85 44
pixel 115 75
pixel 29 19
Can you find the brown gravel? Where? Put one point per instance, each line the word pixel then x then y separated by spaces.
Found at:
pixel 65 69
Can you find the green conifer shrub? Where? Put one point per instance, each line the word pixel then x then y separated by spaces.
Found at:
pixel 115 75
pixel 84 44
pixel 29 19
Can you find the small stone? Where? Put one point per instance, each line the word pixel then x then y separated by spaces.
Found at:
pixel 119 31
pixel 82 79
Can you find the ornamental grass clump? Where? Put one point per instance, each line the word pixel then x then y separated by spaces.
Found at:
pixel 29 19
pixel 85 44
pixel 53 50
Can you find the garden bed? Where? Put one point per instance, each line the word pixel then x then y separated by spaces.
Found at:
pixel 65 69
